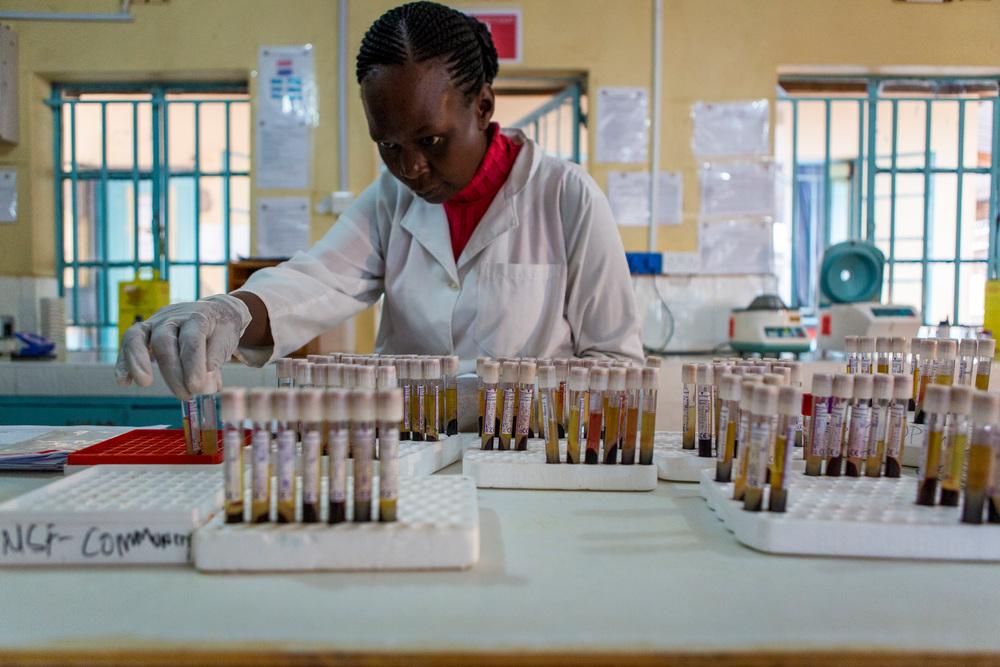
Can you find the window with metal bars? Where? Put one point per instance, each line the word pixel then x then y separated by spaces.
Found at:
pixel 148 178
pixel 912 165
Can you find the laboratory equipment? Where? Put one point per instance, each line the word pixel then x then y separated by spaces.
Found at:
pixel 768 326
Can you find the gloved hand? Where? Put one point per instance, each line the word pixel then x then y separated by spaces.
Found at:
pixel 190 341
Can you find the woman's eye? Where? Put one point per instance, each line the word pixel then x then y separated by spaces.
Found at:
pixel 430 142
pixel 386 145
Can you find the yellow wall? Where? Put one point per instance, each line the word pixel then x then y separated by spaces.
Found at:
pixel 713 50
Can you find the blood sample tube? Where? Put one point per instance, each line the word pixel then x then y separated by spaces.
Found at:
pixel 403 375
pixel 191 423
pixel 285 370
pixel 508 407
pixel 789 407
pixel 843 393
pixel 315 358
pixel 338 431
pixel 895 434
pixel 364 377
pixel 650 391
pixel 944 370
pixel 900 348
pixel 209 423
pixel 928 355
pixel 303 374
pixel 361 403
pixel 764 407
pixel 859 430
pixel 985 412
pixel 795 380
pixel 718 370
pixel 449 368
pixel 432 398
pixel 966 361
pixel 385 377
pixel 562 374
pixel 936 409
pixel 883 352
pixel 479 373
pixel 490 375
pixel 703 412
pixel 525 400
pixel 416 406
pixel 743 435
pixel 851 353
pixel 614 402
pixel 579 378
pixel 688 405
pixel 866 354
pixel 311 417
pixel 595 415
pixel 388 412
pixel 234 413
pixel 547 384
pixel 985 349
pixel 822 399
pixel 956 440
pixel 729 417
pixel 261 413
pixel 287 413
pixel 633 400
pixel 881 399
pixel 654 362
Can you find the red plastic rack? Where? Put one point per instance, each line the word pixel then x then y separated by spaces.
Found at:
pixel 143 446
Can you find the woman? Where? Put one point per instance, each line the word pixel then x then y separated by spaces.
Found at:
pixel 481 244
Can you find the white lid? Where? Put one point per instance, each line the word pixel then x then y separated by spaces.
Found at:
pixel 385 377
pixel 960 400
pixel 261 404
pixel 589 362
pixel 774 379
pixel 285 367
pixel 747 388
pixel 850 344
pixel 729 389
pixel 928 348
pixel 490 372
pixel 389 404
pixel 364 377
pixel 738 370
pixel 599 379
pixel 718 370
pixel 688 373
pixel 883 344
pixel 234 404
pixel 361 404
pixel 866 344
pixel 967 347
pixel 947 349
pixel 479 364
pixel 986 347
pixel 579 377
pixel 403 369
pixel 285 404
pixel 822 384
pixel 335 405
pixel 633 378
pixel 334 375
pixel 526 372
pixel 936 398
pixel 985 407
pixel 318 372
pixel 650 378
pixel 348 373
pixel 900 345
pixel 902 386
pixel 303 372
pixel 316 358
pixel 882 387
pixel 449 364
pixel 547 377
pixel 843 385
pixel 790 401
pixel 371 361
pixel 863 386
pixel 654 362
pixel 616 379
pixel 765 400
pixel 432 368
pixel 416 369
pixel 794 372
pixel 311 405
pixel 562 369
pixel 703 374
pixel 509 372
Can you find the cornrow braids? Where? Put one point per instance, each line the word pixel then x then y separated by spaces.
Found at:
pixel 422 31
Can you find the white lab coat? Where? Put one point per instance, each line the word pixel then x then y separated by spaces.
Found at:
pixel 543 275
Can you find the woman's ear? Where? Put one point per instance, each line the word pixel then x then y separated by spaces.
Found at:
pixel 485 104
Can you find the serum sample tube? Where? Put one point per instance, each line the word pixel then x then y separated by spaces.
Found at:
pixel 928 357
pixel 895 435
pixel 509 372
pixel 338 432
pixel 547 387
pixel 900 348
pixel 650 391
pixel 432 399
pixel 843 392
pixel 883 354
pixel 859 430
pixel 729 416
pixel 966 362
pixel 234 414
pixel 261 414
pixel 688 401
pixel 388 412
pixel 936 408
pixel 285 370
pixel 416 407
pixel 956 440
pixel 311 420
pixel 822 393
pixel 985 413
pixel 479 373
pixel 633 400
pixel 562 376
pixel 881 399
pixel 579 378
pixel 525 401
pixel 489 418
pixel 449 369
pixel 851 359
pixel 765 405
pixel 191 422
pixel 743 436
pixel 703 412
pixel 985 349
pixel 613 414
pixel 866 354
pixel 361 403
pixel 209 423
pixel 595 415
pixel 945 368
pixel 789 407
pixel 403 373
pixel 287 413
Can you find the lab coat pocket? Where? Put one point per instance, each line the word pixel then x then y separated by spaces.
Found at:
pixel 515 305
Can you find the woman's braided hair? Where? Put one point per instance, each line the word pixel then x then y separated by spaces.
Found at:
pixel 421 31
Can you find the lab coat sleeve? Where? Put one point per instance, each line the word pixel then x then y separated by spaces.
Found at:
pixel 600 303
pixel 316 290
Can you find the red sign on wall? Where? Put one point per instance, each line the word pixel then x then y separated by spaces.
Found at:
pixel 505 28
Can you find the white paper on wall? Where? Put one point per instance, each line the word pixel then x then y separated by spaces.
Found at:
pixel 628 194
pixel 730 129
pixel 736 246
pixel 287 93
pixel 681 263
pixel 622 124
pixel 282 226
pixel 284 156
pixel 740 188
pixel 8 195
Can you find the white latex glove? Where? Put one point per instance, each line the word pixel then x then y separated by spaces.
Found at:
pixel 190 341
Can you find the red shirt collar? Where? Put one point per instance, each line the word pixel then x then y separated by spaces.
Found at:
pixel 492 171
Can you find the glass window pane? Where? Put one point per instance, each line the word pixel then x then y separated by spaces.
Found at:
pixel 941 231
pixel 239 217
pixel 944 133
pixel 119 136
pixel 883 211
pixel 812 132
pixel 68 226
pixel 213 280
pixel 883 134
pixel 909 216
pixel 182 283
pixel 67 145
pixel 120 222
pixel 975 216
pixel 180 231
pixel 69 285
pixel 212 223
pixel 844 128
pixel 145 204
pixel 972 294
pixel 116 276
pixel 978 133
pixel 212 137
pixel 180 136
pixel 910 134
pixel 88 136
pixel 86 220
pixel 940 293
pixel 239 127
pixel 906 285
pixel 88 291
pixel 145 120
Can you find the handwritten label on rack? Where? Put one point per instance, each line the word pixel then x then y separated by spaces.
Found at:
pixel 47 542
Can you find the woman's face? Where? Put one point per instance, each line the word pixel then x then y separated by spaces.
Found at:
pixel 430 135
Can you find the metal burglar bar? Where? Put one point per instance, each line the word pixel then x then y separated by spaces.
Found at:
pixel 92 192
pixel 545 124
pixel 892 189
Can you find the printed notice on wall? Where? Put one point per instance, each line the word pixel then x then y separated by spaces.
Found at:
pixel 284 156
pixel 8 195
pixel 282 226
pixel 622 124
pixel 287 92
pixel 628 194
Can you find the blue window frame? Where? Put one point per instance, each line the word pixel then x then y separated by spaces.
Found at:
pixel 148 177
